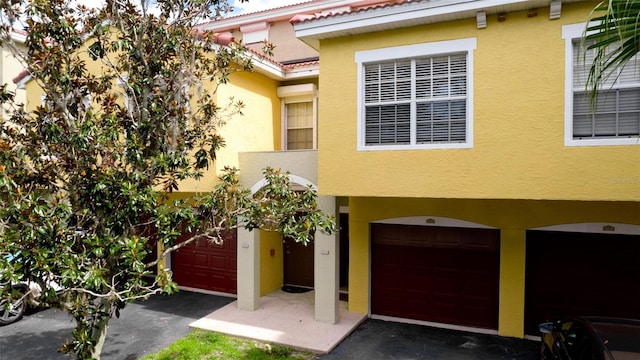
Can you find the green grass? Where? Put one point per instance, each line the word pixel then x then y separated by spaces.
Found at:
pixel 200 345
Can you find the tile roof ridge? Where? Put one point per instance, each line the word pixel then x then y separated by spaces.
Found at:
pixel 368 5
pixel 247 14
pixel 266 57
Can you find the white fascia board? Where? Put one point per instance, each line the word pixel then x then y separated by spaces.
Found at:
pixel 17 37
pixel 303 72
pixel 401 14
pixel 267 68
pixel 22 84
pixel 275 72
pixel 273 14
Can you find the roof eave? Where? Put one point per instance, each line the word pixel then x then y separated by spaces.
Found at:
pixel 403 15
pixel 276 14
pixel 275 72
pixel 302 72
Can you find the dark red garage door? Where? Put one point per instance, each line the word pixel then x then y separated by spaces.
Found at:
pixel 581 274
pixel 205 265
pixel 445 275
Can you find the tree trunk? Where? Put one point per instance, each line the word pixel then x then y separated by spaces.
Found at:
pixel 100 330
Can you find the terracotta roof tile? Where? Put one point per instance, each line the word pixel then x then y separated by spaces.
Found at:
pixel 382 4
pixel 262 11
pixel 301 64
pixel 23 74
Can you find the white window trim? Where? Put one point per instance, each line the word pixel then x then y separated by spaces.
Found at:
pixel 411 51
pixel 298 94
pixel 255 33
pixel 569 34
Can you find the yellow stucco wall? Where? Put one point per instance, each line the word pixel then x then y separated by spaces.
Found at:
pixel 256 129
pixel 271 266
pixel 10 67
pixel 518 99
pixel 512 217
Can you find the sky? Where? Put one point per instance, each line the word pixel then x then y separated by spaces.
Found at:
pixel 239 8
pixel 258 5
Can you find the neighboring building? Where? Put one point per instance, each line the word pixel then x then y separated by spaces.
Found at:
pixel 10 68
pixel 480 192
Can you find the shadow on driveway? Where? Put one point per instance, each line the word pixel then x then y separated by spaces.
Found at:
pixel 144 327
pixel 148 326
pixel 377 339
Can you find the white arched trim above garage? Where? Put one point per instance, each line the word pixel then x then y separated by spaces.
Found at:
pixel 595 228
pixel 433 221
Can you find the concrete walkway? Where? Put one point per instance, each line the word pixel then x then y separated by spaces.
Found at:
pixel 285 319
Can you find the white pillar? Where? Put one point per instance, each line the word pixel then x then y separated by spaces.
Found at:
pixel 326 268
pixel 248 269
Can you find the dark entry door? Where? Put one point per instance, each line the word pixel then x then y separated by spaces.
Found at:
pixel 298 263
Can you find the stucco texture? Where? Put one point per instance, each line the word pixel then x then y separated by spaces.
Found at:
pixel 518 119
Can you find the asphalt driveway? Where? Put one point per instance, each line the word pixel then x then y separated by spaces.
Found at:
pixel 146 327
pixel 143 328
pixel 377 339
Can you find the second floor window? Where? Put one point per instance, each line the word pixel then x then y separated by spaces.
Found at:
pixel 612 117
pixel 299 116
pixel 419 101
pixel 300 125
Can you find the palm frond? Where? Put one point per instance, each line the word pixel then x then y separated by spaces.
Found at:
pixel 613 32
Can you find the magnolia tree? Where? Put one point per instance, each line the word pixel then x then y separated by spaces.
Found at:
pixel 128 112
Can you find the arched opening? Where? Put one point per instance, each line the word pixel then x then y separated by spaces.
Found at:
pixel 293 270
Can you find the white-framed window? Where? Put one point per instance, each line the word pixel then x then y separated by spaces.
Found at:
pixel 614 117
pixel 255 33
pixel 300 122
pixel 299 116
pixel 416 96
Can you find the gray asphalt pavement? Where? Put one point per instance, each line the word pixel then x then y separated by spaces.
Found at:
pixel 146 327
pixel 143 328
pixel 377 340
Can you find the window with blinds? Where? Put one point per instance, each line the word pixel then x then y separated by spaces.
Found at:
pixel 615 113
pixel 300 125
pixel 416 101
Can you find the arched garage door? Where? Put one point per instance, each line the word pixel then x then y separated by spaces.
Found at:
pixel 438 274
pixel 205 265
pixel 581 274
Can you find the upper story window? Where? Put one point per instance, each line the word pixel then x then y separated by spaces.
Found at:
pixel 300 121
pixel 255 33
pixel 421 100
pixel 299 109
pixel 614 117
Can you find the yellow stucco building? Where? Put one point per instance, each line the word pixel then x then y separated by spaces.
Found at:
pixel 475 186
pixel 481 193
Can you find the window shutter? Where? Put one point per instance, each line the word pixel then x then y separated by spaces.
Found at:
pixel 629 107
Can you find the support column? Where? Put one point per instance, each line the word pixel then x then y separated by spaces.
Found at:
pixel 513 245
pixel 248 269
pixel 327 268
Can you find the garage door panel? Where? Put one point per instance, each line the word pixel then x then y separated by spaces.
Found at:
pixel 581 274
pixel 218 261
pixel 433 271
